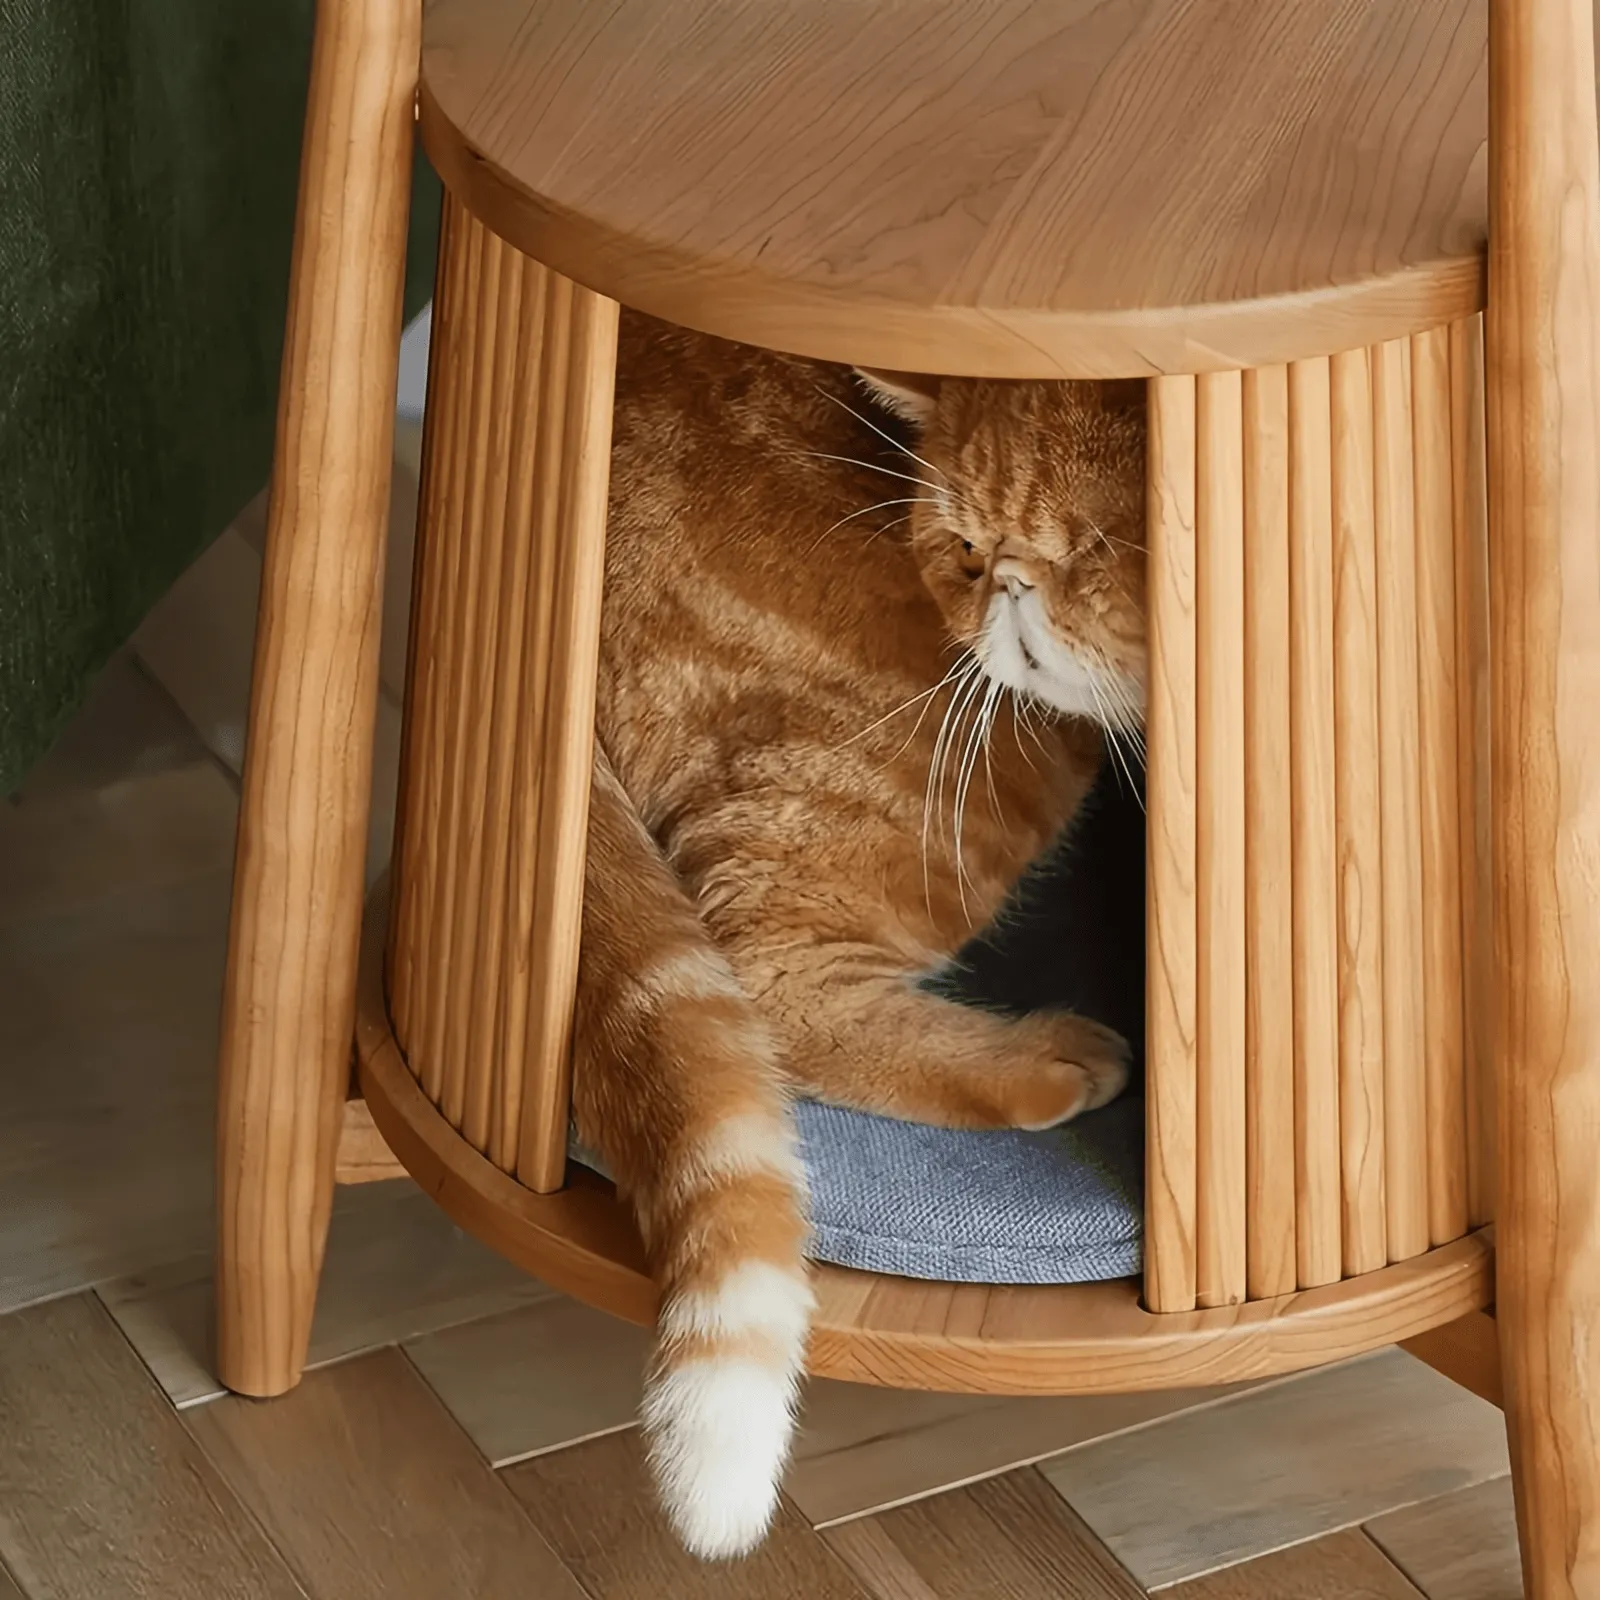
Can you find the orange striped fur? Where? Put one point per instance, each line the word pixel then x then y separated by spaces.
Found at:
pixel 851 685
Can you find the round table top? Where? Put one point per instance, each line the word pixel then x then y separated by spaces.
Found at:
pixel 1021 188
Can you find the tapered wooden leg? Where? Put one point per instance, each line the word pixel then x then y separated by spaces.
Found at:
pixel 289 1000
pixel 1543 347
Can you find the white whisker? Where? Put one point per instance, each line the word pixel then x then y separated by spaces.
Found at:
pixel 1016 731
pixel 882 433
pixel 906 705
pixel 882 505
pixel 933 799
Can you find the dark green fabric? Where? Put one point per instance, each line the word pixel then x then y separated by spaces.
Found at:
pixel 149 151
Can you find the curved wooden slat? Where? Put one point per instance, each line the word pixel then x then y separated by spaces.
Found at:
pixel 1469 496
pixel 1271 1217
pixel 1405 1053
pixel 1220 895
pixel 1171 916
pixel 1357 758
pixel 1439 771
pixel 1318 1207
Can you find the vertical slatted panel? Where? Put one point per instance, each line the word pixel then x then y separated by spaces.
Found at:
pixel 1269 853
pixel 451 640
pixel 485 980
pixel 1405 1087
pixel 488 891
pixel 416 753
pixel 513 1018
pixel 464 745
pixel 1357 818
pixel 1220 840
pixel 1170 981
pixel 1438 691
pixel 441 535
pixel 1318 1190
pixel 1325 1133
pixel 1470 498
pixel 577 529
pixel 480 721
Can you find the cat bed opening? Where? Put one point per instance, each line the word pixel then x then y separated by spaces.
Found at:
pixel 1056 1207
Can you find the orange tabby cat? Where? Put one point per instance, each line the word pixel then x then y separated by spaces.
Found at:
pixel 847 694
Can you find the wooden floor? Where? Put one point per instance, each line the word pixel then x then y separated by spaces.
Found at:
pixel 466 1431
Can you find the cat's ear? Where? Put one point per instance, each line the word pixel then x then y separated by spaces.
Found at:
pixel 911 396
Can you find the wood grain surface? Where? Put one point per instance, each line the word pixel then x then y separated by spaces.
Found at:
pixel 1462 1546
pixel 595 1506
pixel 863 1449
pixel 1439 774
pixel 1170 906
pixel 1341 1566
pixel 87 1431
pixel 1405 1058
pixel 1280 1465
pixel 372 1492
pixel 1219 940
pixel 289 1000
pixel 1270 1210
pixel 1543 350
pixel 1009 1538
pixel 1078 189
pixel 363 1156
pixel 1315 911
pixel 1469 493
pixel 483 940
pixel 1358 755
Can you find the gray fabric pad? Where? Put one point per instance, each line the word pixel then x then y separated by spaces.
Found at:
pixel 1057 1207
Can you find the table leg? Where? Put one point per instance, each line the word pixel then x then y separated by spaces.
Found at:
pixel 289 998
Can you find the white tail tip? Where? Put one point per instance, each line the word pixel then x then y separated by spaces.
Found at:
pixel 718 1433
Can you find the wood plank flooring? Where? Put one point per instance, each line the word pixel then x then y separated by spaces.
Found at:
pixel 1007 1538
pixel 372 1492
pixel 103 1494
pixel 361 1485
pixel 1462 1546
pixel 470 1432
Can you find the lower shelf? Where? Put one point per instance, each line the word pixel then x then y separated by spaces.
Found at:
pixel 902 1332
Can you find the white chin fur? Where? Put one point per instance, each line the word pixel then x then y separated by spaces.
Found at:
pixel 718 1433
pixel 1019 649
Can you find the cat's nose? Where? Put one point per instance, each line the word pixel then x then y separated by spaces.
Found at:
pixel 1014 576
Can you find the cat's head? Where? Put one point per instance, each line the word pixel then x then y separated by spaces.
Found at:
pixel 1030 533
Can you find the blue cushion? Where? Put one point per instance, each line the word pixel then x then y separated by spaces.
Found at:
pixel 1008 1207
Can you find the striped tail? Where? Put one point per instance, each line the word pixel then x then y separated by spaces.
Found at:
pixel 677 1084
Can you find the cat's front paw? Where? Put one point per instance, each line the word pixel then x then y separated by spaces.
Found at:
pixel 1093 1072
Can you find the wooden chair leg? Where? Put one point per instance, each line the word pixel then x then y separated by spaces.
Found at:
pixel 1543 348
pixel 289 999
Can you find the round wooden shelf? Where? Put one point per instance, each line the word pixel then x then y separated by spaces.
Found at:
pixel 1078 188
pixel 903 1332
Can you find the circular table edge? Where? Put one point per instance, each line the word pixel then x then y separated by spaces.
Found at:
pixel 732 301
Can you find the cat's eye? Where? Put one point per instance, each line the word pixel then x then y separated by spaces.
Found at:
pixel 966 547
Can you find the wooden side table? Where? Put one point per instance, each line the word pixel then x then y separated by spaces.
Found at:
pixel 1374 744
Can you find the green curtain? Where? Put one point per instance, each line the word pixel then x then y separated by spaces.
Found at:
pixel 148 162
